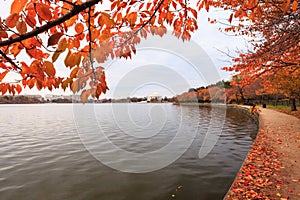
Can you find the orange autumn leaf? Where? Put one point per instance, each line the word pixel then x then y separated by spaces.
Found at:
pixel 49 68
pixel 2 75
pixel 132 17
pixel 4 88
pixel 35 53
pixel 105 19
pixel 295 5
pixel 65 83
pixel 79 28
pixel 18 88
pixel 25 69
pixel 12 20
pixel 3 34
pixel 84 95
pixel 62 45
pixel 73 73
pixel 55 56
pixel 44 11
pixel 72 59
pixel 21 27
pixel 17 6
pixel 75 86
pixel 30 20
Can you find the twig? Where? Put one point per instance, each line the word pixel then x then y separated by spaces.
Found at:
pixel 10 60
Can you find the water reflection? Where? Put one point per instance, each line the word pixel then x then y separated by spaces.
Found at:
pixel 42 157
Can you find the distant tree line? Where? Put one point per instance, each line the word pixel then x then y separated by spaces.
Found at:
pixel 240 92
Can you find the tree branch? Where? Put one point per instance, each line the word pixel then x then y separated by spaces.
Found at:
pixel 8 59
pixel 76 10
pixel 90 46
pixel 144 25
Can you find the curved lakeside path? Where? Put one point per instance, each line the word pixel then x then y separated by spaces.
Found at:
pixel 272 167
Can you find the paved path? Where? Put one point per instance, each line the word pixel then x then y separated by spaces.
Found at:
pixel 272 167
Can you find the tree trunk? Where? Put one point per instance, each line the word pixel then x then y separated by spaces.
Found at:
pixel 293 104
pixel 242 97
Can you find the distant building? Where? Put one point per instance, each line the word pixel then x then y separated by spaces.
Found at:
pixel 52 97
pixel 155 97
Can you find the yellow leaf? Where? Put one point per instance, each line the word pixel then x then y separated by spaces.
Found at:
pixel 278 194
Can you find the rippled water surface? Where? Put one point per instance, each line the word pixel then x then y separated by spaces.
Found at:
pixel 42 155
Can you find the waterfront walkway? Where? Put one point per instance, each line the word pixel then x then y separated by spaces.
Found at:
pixel 272 167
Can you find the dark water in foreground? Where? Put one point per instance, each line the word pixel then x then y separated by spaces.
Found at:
pixel 42 156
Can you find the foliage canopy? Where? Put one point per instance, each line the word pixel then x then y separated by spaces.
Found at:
pixel 37 33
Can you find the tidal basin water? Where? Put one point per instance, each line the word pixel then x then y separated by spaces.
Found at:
pixel 42 155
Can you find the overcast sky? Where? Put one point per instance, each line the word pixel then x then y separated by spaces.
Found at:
pixel 167 65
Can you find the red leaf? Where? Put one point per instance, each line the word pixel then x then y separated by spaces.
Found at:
pixel 4 88
pixel 19 89
pixel 2 75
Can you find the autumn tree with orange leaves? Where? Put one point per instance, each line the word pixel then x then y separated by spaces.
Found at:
pixel 275 52
pixel 38 33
